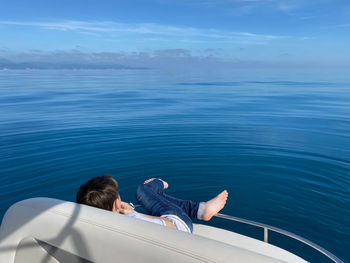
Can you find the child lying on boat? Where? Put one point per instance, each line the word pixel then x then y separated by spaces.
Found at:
pixel 103 192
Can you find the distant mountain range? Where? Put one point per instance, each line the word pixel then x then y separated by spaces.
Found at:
pixel 7 64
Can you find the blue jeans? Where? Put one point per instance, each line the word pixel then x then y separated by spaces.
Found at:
pixel 152 197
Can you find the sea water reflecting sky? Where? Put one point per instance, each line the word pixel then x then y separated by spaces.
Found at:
pixel 278 141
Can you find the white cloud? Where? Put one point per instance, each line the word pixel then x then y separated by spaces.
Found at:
pixel 247 6
pixel 149 30
pixel 164 58
pixel 339 26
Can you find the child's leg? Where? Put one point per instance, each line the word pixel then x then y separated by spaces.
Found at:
pixel 150 196
pixel 188 206
pixel 200 210
pixel 156 185
pixel 193 209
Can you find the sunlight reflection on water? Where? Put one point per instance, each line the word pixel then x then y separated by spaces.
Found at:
pixel 280 146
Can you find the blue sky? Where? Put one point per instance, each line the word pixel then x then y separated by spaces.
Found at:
pixel 310 32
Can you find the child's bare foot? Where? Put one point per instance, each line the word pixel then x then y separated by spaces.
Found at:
pixel 150 180
pixel 213 206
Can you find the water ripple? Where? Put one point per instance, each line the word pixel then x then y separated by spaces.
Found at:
pixel 281 148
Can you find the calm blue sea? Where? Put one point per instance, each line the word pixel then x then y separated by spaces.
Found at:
pixel 277 140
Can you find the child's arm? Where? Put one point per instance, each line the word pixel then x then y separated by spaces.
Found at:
pixel 167 221
pixel 126 209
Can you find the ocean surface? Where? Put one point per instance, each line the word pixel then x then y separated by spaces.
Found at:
pixel 277 140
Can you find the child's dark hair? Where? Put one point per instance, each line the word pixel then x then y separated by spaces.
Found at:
pixel 100 192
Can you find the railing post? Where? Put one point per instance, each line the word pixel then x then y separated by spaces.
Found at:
pixel 266 237
pixel 282 232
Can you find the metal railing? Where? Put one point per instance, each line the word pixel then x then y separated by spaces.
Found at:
pixel 277 230
pixel 283 232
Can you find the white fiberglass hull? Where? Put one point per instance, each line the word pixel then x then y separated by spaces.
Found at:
pixel 51 230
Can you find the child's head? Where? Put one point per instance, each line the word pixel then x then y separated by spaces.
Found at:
pixel 100 192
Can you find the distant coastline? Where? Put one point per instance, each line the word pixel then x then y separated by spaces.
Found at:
pixel 6 64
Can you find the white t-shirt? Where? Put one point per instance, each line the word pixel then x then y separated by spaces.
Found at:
pixel 178 222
